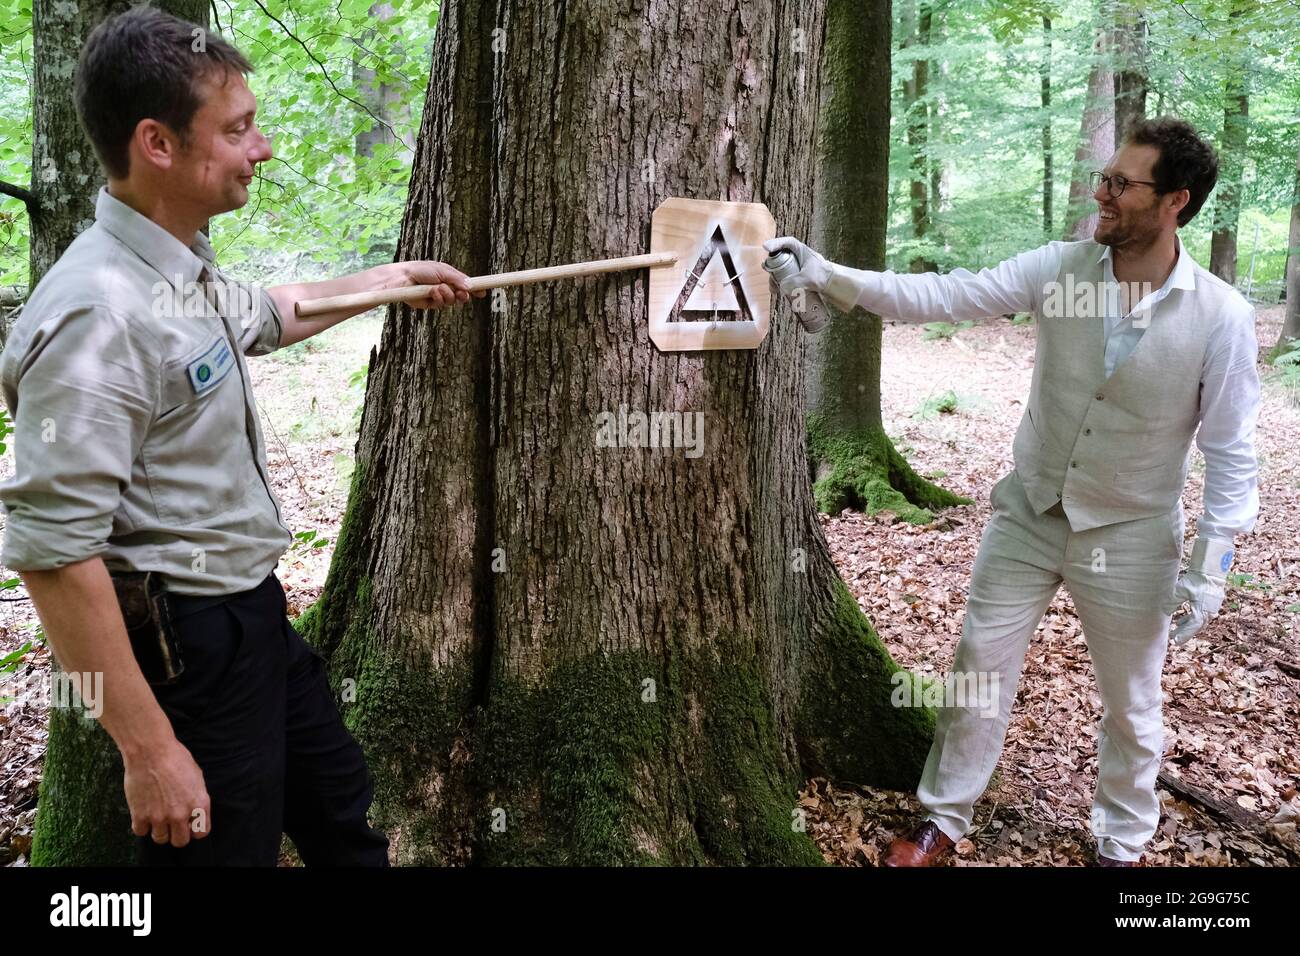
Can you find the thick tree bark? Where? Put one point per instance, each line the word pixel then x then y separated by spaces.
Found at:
pixel 853 461
pixel 1131 68
pixel 1095 145
pixel 81 817
pixel 574 654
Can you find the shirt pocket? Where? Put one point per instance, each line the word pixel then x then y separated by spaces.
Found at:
pixel 197 453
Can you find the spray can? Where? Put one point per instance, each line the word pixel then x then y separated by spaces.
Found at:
pixel 814 315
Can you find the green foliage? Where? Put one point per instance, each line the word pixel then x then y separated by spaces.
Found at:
pixel 1247 582
pixel 945 330
pixel 15 135
pixel 986 120
pixel 6 428
pixel 935 405
pixel 1287 363
pixel 316 194
pixel 305 542
pixel 314 102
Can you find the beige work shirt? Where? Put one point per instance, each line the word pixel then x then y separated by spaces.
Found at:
pixel 136 434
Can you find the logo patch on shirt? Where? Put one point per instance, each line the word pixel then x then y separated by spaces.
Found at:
pixel 212 366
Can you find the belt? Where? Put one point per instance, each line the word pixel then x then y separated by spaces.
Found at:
pixel 183 605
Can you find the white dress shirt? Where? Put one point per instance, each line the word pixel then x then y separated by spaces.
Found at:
pixel 1230 393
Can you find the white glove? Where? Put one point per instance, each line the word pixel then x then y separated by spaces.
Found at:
pixel 1202 586
pixel 817 274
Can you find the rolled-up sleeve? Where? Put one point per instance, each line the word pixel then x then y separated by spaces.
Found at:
pixel 82 396
pixel 260 324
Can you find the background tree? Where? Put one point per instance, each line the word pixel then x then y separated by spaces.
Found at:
pixel 1130 46
pixel 1045 94
pixel 1232 158
pixel 853 460
pixel 917 23
pixel 1291 324
pixel 1095 143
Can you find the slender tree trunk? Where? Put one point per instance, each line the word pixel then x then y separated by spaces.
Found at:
pixel 1232 159
pixel 566 653
pixel 1045 82
pixel 854 462
pixel 1095 145
pixel 934 141
pixel 1291 324
pixel 388 103
pixel 917 20
pixel 1131 72
pixel 81 817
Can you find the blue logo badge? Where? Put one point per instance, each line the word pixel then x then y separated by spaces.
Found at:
pixel 1226 562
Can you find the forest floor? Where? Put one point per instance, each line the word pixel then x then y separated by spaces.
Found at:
pixel 1231 707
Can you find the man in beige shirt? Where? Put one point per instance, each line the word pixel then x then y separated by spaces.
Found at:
pixel 138 449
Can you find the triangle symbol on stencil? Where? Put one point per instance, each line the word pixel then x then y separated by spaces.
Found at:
pixel 711 290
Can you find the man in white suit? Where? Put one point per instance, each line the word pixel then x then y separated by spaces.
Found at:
pixel 1138 349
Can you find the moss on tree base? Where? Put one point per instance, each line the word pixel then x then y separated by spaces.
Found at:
pixel 82 818
pixel 849 726
pixel 866 473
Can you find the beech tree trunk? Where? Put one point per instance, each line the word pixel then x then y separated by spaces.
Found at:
pixel 1131 69
pixel 565 653
pixel 853 461
pixel 916 21
pixel 1232 159
pixel 1045 98
pixel 1291 323
pixel 1095 145
pixel 386 102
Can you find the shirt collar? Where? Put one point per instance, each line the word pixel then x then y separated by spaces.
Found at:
pixel 1183 276
pixel 152 243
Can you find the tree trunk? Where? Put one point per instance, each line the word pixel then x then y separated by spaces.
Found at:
pixel 917 21
pixel 1131 72
pixel 385 101
pixel 934 162
pixel 854 462
pixel 566 653
pixel 1045 73
pixel 1095 145
pixel 81 817
pixel 1291 324
pixel 1232 159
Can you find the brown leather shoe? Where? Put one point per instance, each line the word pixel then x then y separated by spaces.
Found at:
pixel 924 846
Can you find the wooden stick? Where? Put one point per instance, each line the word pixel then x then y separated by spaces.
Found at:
pixel 368 300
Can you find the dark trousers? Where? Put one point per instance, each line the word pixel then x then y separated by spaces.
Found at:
pixel 256 711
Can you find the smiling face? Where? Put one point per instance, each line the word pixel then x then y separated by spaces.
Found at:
pixel 1140 215
pixel 214 167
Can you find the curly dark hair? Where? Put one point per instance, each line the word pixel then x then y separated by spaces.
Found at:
pixel 1186 161
pixel 140 64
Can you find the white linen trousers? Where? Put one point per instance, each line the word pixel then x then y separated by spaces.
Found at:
pixel 1118 575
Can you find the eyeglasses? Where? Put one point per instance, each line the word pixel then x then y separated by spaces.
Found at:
pixel 1115 185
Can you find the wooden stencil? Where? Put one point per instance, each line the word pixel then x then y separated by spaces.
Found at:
pixel 717 295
